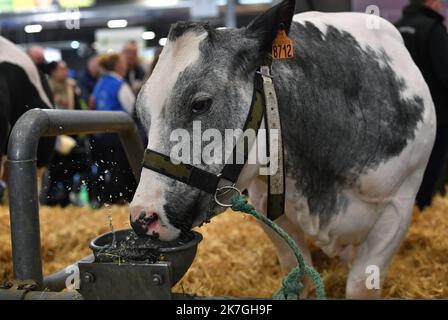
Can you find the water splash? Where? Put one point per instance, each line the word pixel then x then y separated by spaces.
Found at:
pixel 111 226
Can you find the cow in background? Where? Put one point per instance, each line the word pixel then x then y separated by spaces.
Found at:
pixel 22 88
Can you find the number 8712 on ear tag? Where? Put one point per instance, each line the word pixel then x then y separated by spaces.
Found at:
pixel 282 47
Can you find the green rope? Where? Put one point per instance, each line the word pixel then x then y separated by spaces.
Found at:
pixel 292 283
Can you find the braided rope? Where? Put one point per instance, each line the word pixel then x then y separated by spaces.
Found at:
pixel 292 284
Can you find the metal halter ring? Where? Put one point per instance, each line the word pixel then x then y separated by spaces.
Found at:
pixel 226 190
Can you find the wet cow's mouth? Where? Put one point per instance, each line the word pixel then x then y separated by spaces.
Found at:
pixel 146 225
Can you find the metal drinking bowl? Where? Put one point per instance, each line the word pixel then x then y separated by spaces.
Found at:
pixel 181 257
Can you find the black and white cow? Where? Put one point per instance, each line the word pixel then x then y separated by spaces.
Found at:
pixel 358 124
pixel 22 88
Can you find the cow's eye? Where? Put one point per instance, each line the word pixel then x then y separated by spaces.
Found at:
pixel 201 106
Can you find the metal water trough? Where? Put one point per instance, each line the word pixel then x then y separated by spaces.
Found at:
pixel 99 280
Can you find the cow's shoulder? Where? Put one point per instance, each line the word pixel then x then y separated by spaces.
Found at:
pixel 367 29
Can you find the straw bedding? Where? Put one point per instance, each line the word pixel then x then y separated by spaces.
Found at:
pixel 237 259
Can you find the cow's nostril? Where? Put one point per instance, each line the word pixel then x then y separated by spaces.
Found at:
pixel 144 222
pixel 139 227
pixel 152 218
pixel 142 215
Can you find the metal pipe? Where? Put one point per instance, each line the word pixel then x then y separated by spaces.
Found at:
pixel 39 123
pixel 231 21
pixel 18 295
pixel 56 282
pixel 22 150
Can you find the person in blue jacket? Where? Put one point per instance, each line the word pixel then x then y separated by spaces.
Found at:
pixel 112 179
pixel 112 92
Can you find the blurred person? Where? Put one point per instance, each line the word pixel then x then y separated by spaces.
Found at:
pixel 87 81
pixel 135 74
pixel 65 165
pixel 65 91
pixel 114 182
pixel 37 54
pixel 2 190
pixel 112 93
pixel 425 35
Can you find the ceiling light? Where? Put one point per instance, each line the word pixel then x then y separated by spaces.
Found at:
pixel 33 28
pixel 163 41
pixel 75 45
pixel 148 35
pixel 114 24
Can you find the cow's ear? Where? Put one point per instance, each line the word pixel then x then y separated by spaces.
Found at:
pixel 266 26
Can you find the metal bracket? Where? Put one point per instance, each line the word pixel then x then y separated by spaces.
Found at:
pixel 29 285
pixel 17 290
pixel 109 281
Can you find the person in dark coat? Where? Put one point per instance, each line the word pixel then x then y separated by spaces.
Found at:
pixel 58 182
pixel 135 74
pixel 425 35
pixel 87 81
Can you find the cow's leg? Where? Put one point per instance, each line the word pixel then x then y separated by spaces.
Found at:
pixel 376 252
pixel 285 255
pixel 258 196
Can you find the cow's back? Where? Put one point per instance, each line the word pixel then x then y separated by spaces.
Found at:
pixel 352 100
pixel 377 35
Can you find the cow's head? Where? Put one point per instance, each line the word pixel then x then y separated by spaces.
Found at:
pixel 205 75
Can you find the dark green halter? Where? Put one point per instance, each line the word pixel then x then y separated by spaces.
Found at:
pixel 209 182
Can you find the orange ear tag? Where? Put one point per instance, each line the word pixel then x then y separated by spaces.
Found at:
pixel 282 47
